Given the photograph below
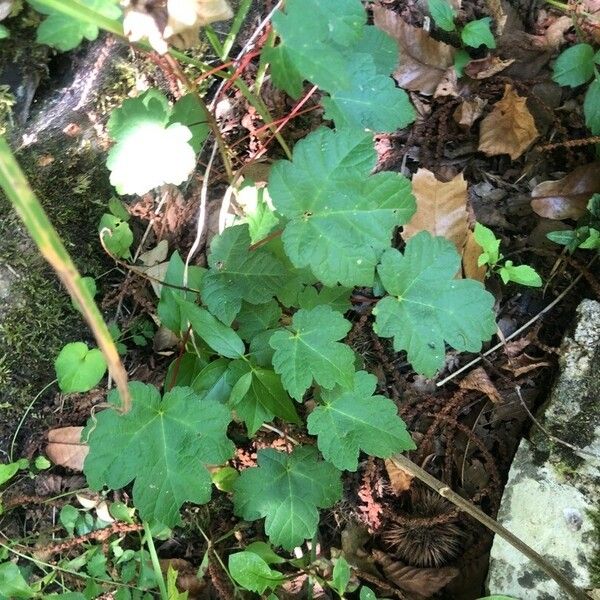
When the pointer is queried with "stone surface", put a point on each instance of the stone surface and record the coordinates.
(551, 488)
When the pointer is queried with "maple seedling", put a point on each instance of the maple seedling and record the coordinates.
(490, 244)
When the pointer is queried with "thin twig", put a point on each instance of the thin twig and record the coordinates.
(514, 334)
(443, 490)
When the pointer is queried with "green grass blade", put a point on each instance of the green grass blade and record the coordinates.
(17, 189)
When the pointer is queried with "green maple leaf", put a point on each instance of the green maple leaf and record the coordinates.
(164, 444)
(341, 217)
(337, 298)
(352, 420)
(309, 350)
(149, 151)
(65, 33)
(331, 23)
(237, 274)
(372, 102)
(381, 47)
(428, 306)
(258, 396)
(287, 489)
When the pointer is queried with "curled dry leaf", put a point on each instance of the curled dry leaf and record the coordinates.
(482, 68)
(509, 128)
(422, 582)
(441, 208)
(471, 253)
(480, 381)
(65, 447)
(524, 364)
(178, 22)
(469, 111)
(567, 198)
(423, 60)
(400, 479)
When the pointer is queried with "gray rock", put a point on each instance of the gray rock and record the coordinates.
(552, 490)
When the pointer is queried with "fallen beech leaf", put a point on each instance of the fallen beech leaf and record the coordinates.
(399, 478)
(423, 60)
(65, 447)
(509, 128)
(423, 582)
(441, 208)
(483, 68)
(469, 111)
(567, 198)
(470, 255)
(480, 381)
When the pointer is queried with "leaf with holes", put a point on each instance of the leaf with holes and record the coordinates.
(341, 217)
(350, 420)
(237, 274)
(163, 444)
(309, 351)
(287, 489)
(427, 306)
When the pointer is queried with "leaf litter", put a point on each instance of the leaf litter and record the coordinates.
(471, 131)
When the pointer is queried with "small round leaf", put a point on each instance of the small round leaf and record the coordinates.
(78, 368)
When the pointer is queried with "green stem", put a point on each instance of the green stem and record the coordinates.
(17, 189)
(14, 438)
(155, 563)
(238, 21)
(41, 563)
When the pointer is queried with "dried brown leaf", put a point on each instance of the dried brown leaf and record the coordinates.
(400, 479)
(470, 255)
(497, 13)
(65, 447)
(567, 198)
(524, 364)
(469, 111)
(424, 583)
(480, 381)
(482, 68)
(509, 128)
(448, 86)
(423, 60)
(441, 208)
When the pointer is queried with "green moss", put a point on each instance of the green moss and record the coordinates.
(38, 317)
(595, 562)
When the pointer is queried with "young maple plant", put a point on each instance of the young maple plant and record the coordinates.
(264, 325)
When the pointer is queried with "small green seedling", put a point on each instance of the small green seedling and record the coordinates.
(586, 235)
(473, 35)
(490, 244)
